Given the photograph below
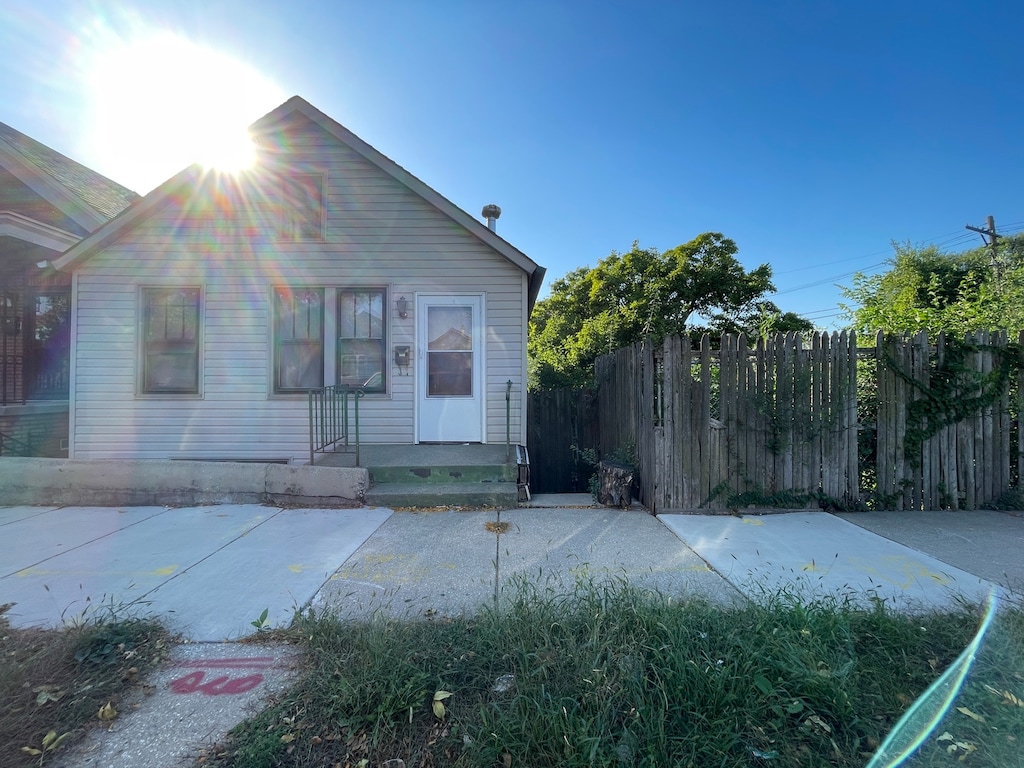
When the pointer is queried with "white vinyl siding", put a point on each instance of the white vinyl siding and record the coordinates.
(376, 233)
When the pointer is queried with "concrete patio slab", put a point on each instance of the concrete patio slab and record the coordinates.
(31, 540)
(13, 514)
(984, 542)
(278, 565)
(208, 571)
(449, 563)
(814, 554)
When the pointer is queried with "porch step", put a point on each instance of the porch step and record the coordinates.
(432, 475)
(440, 494)
(426, 475)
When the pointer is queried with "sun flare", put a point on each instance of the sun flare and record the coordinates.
(161, 102)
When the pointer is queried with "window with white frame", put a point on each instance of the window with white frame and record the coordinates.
(170, 340)
(298, 339)
(361, 343)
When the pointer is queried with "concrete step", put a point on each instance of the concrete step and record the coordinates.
(426, 474)
(456, 494)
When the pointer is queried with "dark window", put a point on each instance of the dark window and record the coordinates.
(50, 345)
(361, 361)
(170, 346)
(301, 207)
(298, 339)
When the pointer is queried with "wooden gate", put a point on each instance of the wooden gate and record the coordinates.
(559, 420)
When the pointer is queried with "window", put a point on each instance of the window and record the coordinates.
(48, 355)
(170, 340)
(361, 361)
(450, 351)
(298, 339)
(301, 207)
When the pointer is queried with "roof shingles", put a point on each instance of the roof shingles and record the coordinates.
(92, 189)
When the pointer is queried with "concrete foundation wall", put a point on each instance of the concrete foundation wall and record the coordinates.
(162, 483)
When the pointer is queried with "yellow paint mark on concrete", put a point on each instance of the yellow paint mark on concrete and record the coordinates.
(914, 570)
(900, 571)
(385, 558)
(166, 570)
(32, 572)
(752, 521)
(297, 568)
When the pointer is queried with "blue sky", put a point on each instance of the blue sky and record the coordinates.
(814, 134)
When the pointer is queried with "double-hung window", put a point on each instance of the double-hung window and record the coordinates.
(360, 338)
(170, 346)
(298, 339)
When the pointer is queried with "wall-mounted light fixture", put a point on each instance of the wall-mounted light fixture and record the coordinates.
(402, 305)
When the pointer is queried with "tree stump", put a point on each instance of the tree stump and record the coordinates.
(615, 484)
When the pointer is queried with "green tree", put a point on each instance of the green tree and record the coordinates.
(643, 293)
(927, 290)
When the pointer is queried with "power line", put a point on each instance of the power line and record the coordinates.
(822, 312)
(834, 261)
(948, 239)
(826, 280)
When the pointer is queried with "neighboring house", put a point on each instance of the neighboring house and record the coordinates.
(48, 202)
(204, 315)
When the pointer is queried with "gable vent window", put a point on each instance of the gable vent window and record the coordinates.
(301, 207)
(170, 340)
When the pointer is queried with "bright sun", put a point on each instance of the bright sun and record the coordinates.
(161, 103)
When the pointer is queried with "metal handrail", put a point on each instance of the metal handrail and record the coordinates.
(330, 422)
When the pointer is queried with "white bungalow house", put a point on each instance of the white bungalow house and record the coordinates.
(204, 314)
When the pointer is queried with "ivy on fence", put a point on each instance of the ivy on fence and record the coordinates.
(956, 390)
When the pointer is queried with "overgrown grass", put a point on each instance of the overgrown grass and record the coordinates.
(610, 675)
(56, 680)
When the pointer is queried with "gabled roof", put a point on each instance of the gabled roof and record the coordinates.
(107, 234)
(87, 197)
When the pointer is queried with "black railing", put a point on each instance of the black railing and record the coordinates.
(51, 384)
(11, 371)
(13, 446)
(334, 420)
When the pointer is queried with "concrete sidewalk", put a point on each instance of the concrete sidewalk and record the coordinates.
(210, 571)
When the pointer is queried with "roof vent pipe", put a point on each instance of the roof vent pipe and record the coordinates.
(491, 212)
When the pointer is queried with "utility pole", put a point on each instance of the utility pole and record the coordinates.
(992, 241)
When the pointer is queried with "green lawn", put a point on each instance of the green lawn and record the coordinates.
(613, 676)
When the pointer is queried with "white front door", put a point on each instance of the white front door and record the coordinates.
(449, 369)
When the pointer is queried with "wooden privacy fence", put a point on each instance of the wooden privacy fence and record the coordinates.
(712, 426)
(771, 423)
(960, 465)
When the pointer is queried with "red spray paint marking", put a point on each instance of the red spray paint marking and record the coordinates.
(194, 682)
